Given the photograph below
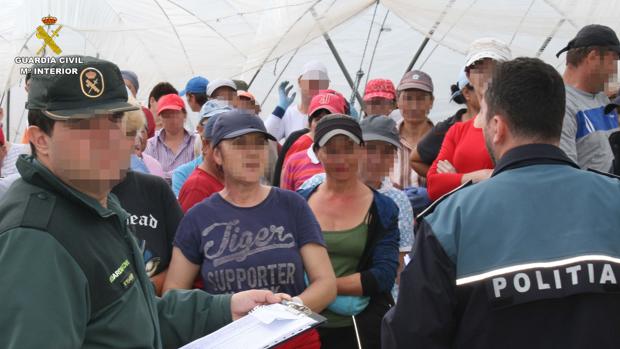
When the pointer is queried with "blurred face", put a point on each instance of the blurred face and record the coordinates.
(604, 68)
(140, 141)
(93, 152)
(316, 117)
(172, 120)
(415, 105)
(378, 106)
(340, 157)
(479, 75)
(379, 160)
(192, 102)
(243, 159)
(246, 103)
(311, 88)
(471, 99)
(225, 93)
(131, 87)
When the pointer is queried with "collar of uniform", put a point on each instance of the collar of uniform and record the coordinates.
(33, 172)
(532, 154)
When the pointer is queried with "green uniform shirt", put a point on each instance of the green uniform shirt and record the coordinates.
(73, 276)
(345, 249)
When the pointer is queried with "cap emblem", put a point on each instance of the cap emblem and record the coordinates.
(91, 82)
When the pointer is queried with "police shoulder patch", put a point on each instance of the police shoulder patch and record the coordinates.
(91, 82)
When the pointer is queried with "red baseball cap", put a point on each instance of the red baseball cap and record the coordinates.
(380, 88)
(170, 102)
(327, 99)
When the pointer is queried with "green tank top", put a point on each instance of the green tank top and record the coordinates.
(345, 249)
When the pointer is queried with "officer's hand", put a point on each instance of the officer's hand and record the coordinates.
(241, 303)
(284, 101)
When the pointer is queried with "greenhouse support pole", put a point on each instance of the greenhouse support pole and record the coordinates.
(343, 68)
(418, 53)
(345, 72)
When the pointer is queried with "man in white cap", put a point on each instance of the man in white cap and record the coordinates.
(289, 117)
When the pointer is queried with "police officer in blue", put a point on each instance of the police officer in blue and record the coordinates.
(529, 258)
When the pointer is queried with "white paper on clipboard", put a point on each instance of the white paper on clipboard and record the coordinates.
(265, 327)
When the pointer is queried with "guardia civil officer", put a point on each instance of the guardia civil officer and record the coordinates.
(527, 259)
(72, 274)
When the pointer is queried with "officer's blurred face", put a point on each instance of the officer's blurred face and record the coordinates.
(91, 152)
(243, 159)
(173, 120)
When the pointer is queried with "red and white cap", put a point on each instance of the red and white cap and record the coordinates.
(330, 100)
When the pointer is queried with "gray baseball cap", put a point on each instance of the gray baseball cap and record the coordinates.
(380, 128)
(416, 79)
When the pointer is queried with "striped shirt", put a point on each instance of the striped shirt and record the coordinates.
(298, 168)
(402, 175)
(157, 148)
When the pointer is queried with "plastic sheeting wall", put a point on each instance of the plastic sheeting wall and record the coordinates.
(173, 40)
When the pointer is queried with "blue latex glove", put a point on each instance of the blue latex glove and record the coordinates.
(284, 101)
(346, 305)
(349, 305)
(354, 114)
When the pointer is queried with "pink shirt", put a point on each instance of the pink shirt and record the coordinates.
(153, 165)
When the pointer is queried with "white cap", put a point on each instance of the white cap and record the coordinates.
(488, 48)
(314, 70)
(215, 84)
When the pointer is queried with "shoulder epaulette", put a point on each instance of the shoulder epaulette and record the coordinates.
(432, 206)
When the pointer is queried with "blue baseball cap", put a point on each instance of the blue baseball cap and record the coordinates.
(197, 84)
(211, 111)
(461, 83)
(237, 123)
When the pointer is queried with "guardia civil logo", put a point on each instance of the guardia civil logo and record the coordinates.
(91, 82)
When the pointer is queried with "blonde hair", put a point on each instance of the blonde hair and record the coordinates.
(134, 120)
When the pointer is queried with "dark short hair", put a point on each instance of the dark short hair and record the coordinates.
(37, 118)
(201, 98)
(577, 55)
(161, 89)
(530, 95)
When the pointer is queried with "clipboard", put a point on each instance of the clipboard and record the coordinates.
(264, 327)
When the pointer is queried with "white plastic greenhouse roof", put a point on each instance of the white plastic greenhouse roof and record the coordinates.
(173, 40)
